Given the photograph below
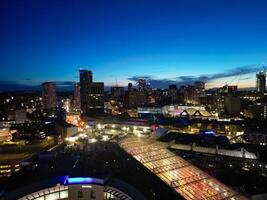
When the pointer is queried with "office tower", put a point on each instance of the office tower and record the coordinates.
(91, 94)
(232, 105)
(257, 110)
(116, 91)
(77, 96)
(49, 96)
(135, 98)
(261, 81)
(85, 80)
(191, 94)
(173, 93)
(142, 85)
(86, 77)
(199, 85)
(172, 87)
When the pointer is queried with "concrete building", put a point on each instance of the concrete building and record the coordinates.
(257, 110)
(232, 105)
(261, 81)
(92, 94)
(77, 96)
(18, 115)
(135, 98)
(191, 95)
(199, 85)
(173, 93)
(116, 91)
(49, 96)
(65, 129)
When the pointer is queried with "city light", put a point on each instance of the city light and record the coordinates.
(162, 99)
(80, 180)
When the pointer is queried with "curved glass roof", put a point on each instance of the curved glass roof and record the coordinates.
(186, 179)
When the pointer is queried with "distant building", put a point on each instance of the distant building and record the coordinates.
(191, 95)
(173, 93)
(172, 87)
(91, 94)
(261, 81)
(117, 91)
(135, 98)
(199, 85)
(142, 85)
(257, 110)
(17, 115)
(49, 95)
(77, 96)
(232, 105)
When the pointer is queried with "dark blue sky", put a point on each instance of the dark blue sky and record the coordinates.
(164, 41)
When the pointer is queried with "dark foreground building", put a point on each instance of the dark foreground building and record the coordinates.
(76, 188)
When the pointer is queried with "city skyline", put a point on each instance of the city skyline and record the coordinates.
(177, 42)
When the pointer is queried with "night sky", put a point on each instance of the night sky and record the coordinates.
(177, 41)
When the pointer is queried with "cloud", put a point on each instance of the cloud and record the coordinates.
(15, 86)
(27, 79)
(65, 83)
(187, 80)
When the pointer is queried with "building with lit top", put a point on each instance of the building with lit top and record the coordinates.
(261, 81)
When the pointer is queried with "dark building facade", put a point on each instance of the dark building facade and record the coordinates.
(91, 94)
(117, 91)
(77, 96)
(49, 95)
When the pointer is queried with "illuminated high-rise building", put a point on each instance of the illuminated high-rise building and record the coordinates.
(261, 81)
(91, 94)
(77, 96)
(49, 96)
